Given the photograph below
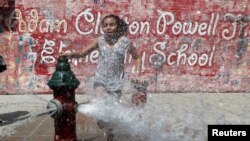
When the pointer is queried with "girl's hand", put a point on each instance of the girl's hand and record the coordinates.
(140, 83)
(140, 78)
(140, 97)
(66, 54)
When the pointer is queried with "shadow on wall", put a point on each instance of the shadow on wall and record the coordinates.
(7, 15)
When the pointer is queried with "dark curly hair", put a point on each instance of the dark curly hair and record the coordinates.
(121, 24)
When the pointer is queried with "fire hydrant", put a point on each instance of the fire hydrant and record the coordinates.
(63, 83)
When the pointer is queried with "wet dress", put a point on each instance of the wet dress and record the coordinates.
(110, 67)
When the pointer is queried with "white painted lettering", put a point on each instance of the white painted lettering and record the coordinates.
(46, 54)
(87, 16)
(162, 22)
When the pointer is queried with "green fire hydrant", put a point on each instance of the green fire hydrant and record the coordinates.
(63, 83)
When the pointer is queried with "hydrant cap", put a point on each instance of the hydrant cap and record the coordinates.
(63, 64)
(63, 78)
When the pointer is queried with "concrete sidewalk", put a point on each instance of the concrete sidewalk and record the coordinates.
(178, 117)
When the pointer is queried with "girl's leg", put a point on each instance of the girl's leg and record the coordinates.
(100, 93)
(99, 90)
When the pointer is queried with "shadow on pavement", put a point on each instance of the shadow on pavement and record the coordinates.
(9, 118)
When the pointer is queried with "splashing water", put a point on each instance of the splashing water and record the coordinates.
(29, 106)
(148, 123)
(31, 134)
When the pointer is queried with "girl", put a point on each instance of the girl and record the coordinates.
(112, 45)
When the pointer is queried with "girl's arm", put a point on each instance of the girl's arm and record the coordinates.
(138, 62)
(85, 51)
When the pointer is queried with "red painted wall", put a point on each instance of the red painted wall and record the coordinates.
(203, 45)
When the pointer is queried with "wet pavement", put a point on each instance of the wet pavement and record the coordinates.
(182, 117)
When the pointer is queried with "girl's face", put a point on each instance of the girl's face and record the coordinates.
(109, 26)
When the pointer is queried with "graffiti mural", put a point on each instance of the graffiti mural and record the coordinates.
(186, 46)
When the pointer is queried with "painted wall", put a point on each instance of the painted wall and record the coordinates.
(186, 45)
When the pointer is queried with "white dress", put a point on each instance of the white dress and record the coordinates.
(110, 67)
